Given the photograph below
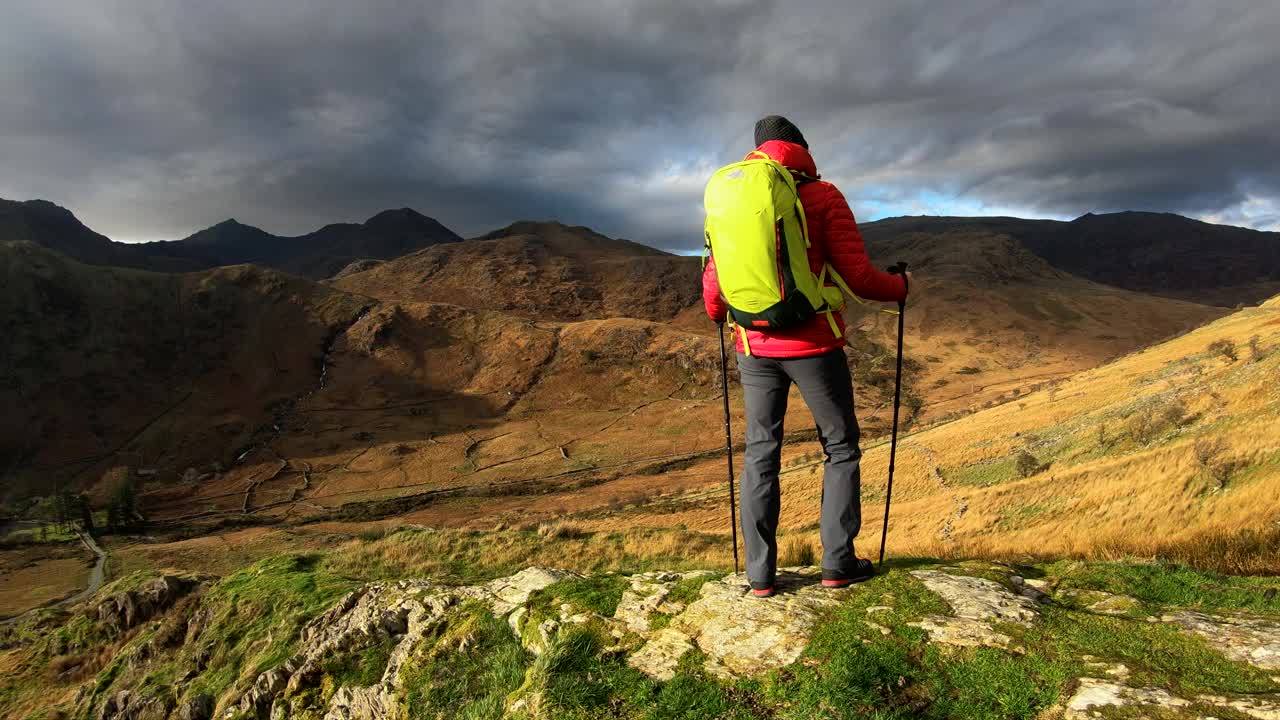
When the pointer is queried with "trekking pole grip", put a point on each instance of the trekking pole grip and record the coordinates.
(900, 268)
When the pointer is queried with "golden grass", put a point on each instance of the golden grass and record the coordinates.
(1107, 491)
(1224, 550)
(1146, 497)
(469, 556)
(797, 550)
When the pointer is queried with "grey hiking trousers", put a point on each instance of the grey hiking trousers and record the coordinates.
(827, 389)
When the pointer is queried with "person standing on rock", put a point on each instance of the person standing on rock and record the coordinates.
(806, 350)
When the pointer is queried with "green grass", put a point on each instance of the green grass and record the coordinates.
(256, 615)
(990, 472)
(364, 668)
(1159, 655)
(1166, 585)
(579, 682)
(599, 594)
(686, 590)
(470, 684)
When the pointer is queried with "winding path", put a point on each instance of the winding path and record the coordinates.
(95, 575)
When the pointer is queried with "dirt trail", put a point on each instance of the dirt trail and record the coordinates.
(95, 575)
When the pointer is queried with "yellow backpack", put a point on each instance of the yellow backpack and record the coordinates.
(757, 233)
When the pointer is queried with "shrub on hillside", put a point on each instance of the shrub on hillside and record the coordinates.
(1142, 426)
(1209, 456)
(1101, 432)
(1027, 464)
(968, 370)
(1225, 348)
(1256, 353)
(1174, 413)
(913, 402)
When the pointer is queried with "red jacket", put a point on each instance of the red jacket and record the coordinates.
(833, 238)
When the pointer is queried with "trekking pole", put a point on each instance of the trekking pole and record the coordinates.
(899, 269)
(728, 444)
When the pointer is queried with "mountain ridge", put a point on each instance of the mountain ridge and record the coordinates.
(316, 255)
(1157, 253)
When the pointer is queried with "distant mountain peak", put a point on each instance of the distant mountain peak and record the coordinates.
(409, 221)
(399, 213)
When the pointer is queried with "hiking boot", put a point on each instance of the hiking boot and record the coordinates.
(763, 590)
(863, 570)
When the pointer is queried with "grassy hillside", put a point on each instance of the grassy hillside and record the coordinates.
(1171, 451)
(991, 320)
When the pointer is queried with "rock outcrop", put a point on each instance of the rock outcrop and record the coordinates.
(976, 604)
(129, 705)
(1251, 640)
(741, 634)
(130, 608)
(404, 612)
(662, 622)
(1093, 695)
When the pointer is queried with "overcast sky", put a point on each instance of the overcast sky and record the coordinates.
(153, 119)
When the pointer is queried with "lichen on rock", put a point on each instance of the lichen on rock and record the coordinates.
(976, 604)
(1250, 640)
(741, 634)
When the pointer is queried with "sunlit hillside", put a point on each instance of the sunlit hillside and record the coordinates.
(1173, 450)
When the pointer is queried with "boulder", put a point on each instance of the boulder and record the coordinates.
(1115, 605)
(405, 611)
(978, 598)
(963, 632)
(371, 703)
(127, 705)
(199, 707)
(1093, 695)
(506, 594)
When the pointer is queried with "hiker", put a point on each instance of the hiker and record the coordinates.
(809, 353)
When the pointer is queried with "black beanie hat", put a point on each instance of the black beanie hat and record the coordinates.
(776, 127)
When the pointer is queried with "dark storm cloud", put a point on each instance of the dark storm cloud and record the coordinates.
(153, 119)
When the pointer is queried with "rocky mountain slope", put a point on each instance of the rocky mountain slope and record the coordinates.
(540, 270)
(1156, 253)
(317, 255)
(287, 637)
